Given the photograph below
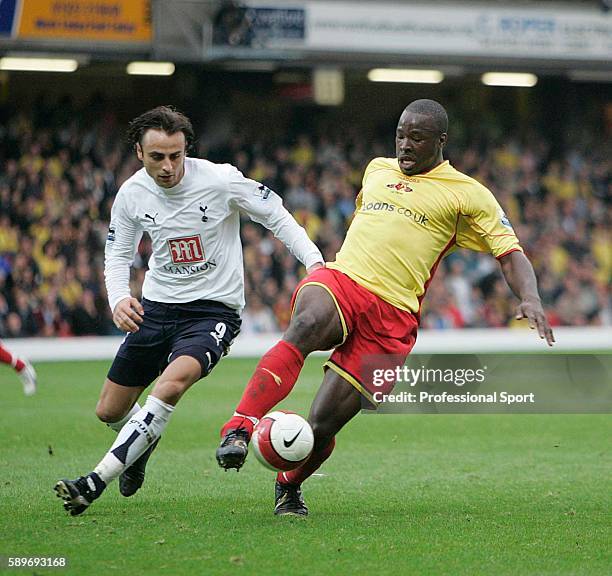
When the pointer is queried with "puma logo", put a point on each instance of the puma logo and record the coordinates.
(276, 377)
(152, 218)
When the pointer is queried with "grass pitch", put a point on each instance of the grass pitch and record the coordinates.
(420, 494)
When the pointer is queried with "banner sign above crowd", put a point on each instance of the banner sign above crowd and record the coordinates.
(469, 31)
(259, 26)
(7, 16)
(77, 20)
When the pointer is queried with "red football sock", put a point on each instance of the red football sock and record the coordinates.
(274, 377)
(297, 476)
(7, 358)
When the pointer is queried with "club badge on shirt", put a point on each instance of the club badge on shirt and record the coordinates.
(399, 187)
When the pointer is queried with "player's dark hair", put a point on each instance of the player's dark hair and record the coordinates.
(433, 109)
(165, 118)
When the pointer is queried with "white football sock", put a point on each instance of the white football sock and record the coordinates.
(251, 418)
(116, 426)
(141, 430)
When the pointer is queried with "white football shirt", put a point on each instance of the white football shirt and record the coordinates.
(195, 233)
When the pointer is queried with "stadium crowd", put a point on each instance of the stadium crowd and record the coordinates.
(60, 172)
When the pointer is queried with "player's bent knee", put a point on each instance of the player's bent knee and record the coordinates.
(170, 391)
(108, 415)
(304, 324)
(309, 332)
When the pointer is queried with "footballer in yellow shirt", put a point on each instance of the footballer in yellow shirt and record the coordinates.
(411, 211)
(404, 224)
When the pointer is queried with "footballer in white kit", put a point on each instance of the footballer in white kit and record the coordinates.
(196, 262)
(193, 292)
(194, 228)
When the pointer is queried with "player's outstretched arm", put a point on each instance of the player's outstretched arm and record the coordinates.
(266, 208)
(519, 275)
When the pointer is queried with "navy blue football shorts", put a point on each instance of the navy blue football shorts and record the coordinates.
(203, 329)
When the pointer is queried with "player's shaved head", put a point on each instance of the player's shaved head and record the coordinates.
(431, 109)
(420, 136)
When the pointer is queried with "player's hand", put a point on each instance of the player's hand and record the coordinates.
(533, 311)
(315, 267)
(128, 314)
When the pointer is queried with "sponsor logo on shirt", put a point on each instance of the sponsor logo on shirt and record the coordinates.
(187, 270)
(186, 250)
(152, 218)
(408, 213)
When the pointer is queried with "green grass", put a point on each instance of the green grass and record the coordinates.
(420, 494)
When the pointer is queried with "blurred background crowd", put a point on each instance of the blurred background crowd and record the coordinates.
(62, 166)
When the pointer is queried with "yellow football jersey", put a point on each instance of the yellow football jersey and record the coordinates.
(404, 225)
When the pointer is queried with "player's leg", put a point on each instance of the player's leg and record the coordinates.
(315, 325)
(198, 336)
(146, 425)
(380, 334)
(336, 402)
(117, 404)
(139, 434)
(24, 369)
(135, 366)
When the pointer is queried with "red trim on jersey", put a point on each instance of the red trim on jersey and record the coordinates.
(508, 252)
(450, 244)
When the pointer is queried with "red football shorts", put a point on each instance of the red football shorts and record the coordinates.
(377, 335)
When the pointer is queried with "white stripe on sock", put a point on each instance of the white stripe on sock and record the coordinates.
(143, 428)
(251, 418)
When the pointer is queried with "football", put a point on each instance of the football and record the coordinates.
(282, 440)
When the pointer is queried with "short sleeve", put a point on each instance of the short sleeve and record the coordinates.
(483, 226)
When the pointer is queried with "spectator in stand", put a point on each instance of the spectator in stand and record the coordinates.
(256, 318)
(86, 319)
